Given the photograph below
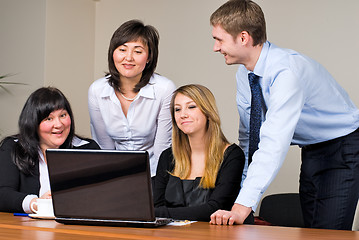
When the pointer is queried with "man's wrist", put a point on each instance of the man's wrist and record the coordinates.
(236, 206)
(240, 209)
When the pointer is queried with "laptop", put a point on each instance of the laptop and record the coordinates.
(102, 187)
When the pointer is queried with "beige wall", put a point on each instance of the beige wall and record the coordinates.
(77, 34)
(22, 31)
(47, 43)
(70, 44)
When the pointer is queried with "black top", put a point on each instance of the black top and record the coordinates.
(15, 185)
(183, 199)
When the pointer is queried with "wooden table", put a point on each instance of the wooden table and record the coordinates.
(15, 227)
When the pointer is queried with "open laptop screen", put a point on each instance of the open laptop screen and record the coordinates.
(100, 184)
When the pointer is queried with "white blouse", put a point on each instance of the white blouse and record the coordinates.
(44, 176)
(147, 126)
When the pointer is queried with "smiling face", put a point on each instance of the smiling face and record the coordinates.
(189, 118)
(232, 49)
(54, 130)
(130, 59)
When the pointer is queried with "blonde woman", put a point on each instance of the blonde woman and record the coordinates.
(202, 171)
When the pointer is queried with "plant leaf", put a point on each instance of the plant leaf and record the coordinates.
(6, 75)
(5, 89)
(8, 83)
(12, 83)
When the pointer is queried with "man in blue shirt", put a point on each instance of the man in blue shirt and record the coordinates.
(302, 105)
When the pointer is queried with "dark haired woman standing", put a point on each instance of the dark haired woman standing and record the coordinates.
(46, 121)
(129, 108)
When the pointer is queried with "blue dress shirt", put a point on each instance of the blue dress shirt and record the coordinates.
(305, 106)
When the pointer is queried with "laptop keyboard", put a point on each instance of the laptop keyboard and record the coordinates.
(163, 221)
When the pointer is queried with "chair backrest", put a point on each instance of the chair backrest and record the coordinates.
(282, 210)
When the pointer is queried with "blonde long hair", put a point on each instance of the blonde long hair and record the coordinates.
(216, 142)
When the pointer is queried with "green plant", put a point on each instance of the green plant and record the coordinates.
(2, 83)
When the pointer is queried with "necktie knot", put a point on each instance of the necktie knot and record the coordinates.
(253, 79)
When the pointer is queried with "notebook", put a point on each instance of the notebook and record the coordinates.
(102, 187)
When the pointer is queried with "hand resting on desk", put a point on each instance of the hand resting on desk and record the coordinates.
(237, 215)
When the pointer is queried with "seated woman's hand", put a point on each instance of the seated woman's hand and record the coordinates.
(47, 195)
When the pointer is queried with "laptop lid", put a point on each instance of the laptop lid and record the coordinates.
(100, 184)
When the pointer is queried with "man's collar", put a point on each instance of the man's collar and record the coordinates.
(260, 66)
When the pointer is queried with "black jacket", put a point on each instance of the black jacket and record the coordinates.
(15, 185)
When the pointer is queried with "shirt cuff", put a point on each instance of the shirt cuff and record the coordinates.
(248, 199)
(26, 203)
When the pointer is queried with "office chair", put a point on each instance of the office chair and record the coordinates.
(282, 210)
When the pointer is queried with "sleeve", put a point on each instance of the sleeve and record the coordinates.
(10, 198)
(26, 203)
(162, 175)
(97, 124)
(164, 122)
(285, 104)
(90, 145)
(228, 184)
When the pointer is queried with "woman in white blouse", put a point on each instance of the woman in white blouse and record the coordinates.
(130, 107)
